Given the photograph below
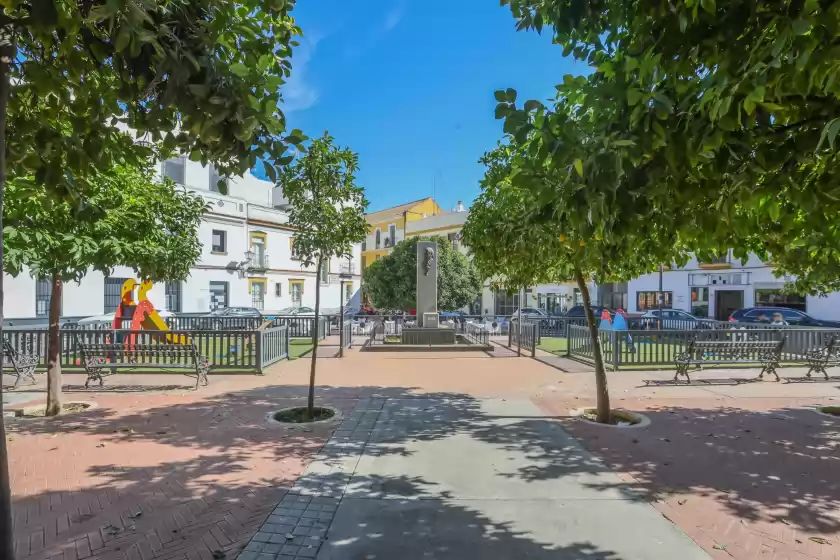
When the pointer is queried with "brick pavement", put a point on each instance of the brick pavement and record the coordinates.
(745, 477)
(205, 470)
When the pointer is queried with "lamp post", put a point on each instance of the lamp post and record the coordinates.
(343, 277)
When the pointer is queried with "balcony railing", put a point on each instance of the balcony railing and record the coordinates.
(260, 262)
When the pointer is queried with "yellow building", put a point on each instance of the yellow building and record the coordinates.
(387, 227)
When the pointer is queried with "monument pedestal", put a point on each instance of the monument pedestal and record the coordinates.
(428, 336)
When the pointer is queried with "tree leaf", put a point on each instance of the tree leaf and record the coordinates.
(579, 167)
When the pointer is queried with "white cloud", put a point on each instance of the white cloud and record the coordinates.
(394, 17)
(299, 93)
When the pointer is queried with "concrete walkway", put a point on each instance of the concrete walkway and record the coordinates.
(451, 478)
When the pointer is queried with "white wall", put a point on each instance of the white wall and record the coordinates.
(760, 277)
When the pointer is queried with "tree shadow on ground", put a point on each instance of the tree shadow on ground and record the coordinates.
(751, 462)
(776, 467)
(178, 480)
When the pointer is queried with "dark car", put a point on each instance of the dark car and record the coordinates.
(671, 319)
(791, 316)
(597, 310)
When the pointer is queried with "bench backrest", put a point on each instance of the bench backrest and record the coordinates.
(138, 351)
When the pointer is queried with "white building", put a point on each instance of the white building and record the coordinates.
(716, 289)
(252, 217)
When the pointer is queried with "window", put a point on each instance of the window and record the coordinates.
(392, 235)
(364, 245)
(219, 241)
(348, 291)
(43, 292)
(646, 301)
(700, 302)
(175, 169)
(113, 293)
(378, 238)
(505, 303)
(325, 273)
(173, 296)
(295, 255)
(218, 295)
(215, 178)
(776, 298)
(296, 290)
(364, 262)
(278, 289)
(453, 240)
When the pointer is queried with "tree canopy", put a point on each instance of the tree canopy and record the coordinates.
(391, 281)
(148, 225)
(200, 77)
(738, 142)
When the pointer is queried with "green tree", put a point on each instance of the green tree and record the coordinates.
(200, 77)
(532, 223)
(391, 282)
(130, 220)
(742, 137)
(327, 211)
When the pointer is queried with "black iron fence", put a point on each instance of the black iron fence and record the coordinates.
(477, 334)
(524, 336)
(241, 350)
(638, 348)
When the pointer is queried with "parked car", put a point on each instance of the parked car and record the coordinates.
(297, 310)
(225, 318)
(235, 312)
(107, 320)
(529, 312)
(597, 310)
(791, 316)
(671, 319)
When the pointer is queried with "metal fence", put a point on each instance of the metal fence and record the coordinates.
(635, 348)
(272, 345)
(524, 336)
(239, 350)
(192, 323)
(347, 334)
(477, 334)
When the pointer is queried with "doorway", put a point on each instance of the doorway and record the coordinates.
(726, 302)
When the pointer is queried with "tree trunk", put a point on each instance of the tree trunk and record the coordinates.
(7, 550)
(311, 403)
(54, 350)
(601, 390)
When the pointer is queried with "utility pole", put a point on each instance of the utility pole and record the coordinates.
(660, 295)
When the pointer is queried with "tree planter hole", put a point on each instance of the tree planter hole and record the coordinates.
(300, 415)
(829, 411)
(66, 408)
(619, 418)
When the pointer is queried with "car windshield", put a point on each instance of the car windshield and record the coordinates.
(219, 312)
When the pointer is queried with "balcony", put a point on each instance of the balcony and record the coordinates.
(717, 263)
(259, 263)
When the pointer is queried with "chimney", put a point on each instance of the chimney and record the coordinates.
(460, 206)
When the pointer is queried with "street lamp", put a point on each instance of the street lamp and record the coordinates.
(342, 278)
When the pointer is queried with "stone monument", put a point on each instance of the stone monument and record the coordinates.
(427, 268)
(428, 330)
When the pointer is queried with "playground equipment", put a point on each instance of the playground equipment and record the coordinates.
(142, 312)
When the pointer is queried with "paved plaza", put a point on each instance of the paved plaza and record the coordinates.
(433, 456)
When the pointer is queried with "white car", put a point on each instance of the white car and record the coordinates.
(108, 319)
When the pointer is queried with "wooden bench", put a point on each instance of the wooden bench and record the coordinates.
(23, 362)
(699, 352)
(820, 358)
(102, 359)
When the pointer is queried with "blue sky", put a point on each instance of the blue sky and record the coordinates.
(409, 86)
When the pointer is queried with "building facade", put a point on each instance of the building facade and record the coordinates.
(387, 227)
(714, 290)
(247, 260)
